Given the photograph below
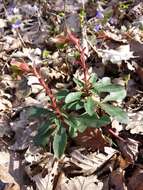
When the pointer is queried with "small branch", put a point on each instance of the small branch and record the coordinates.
(115, 135)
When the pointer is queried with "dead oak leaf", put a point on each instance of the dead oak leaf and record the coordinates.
(123, 53)
(7, 180)
(135, 123)
(82, 183)
(88, 164)
(136, 180)
(116, 180)
(92, 139)
(129, 149)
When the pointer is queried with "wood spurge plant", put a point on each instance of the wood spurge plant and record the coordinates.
(91, 104)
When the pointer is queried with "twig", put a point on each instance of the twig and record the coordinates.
(115, 135)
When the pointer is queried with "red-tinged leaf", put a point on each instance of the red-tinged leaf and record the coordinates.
(59, 39)
(20, 65)
(72, 38)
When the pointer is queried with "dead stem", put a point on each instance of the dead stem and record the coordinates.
(115, 135)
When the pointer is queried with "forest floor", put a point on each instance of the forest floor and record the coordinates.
(34, 33)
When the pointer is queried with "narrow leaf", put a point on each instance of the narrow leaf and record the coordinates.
(103, 82)
(117, 92)
(23, 66)
(93, 78)
(42, 138)
(77, 105)
(109, 88)
(115, 112)
(44, 128)
(59, 143)
(38, 111)
(78, 82)
(73, 96)
(73, 132)
(115, 96)
(89, 106)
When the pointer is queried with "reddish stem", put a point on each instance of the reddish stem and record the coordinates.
(115, 135)
(71, 38)
(83, 63)
(48, 91)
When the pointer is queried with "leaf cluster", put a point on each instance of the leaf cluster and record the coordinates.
(90, 104)
(85, 107)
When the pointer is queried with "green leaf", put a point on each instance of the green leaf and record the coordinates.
(81, 125)
(41, 140)
(103, 82)
(73, 132)
(78, 82)
(38, 111)
(73, 96)
(92, 121)
(57, 122)
(44, 128)
(72, 123)
(43, 136)
(115, 96)
(102, 121)
(62, 94)
(117, 92)
(109, 88)
(77, 105)
(77, 123)
(115, 112)
(60, 141)
(81, 122)
(89, 106)
(93, 78)
(85, 120)
(45, 54)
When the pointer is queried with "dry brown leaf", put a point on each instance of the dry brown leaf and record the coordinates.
(71, 5)
(117, 180)
(11, 163)
(88, 164)
(129, 149)
(122, 53)
(11, 187)
(82, 183)
(139, 71)
(4, 126)
(115, 37)
(5, 103)
(12, 44)
(5, 159)
(5, 177)
(41, 168)
(44, 179)
(136, 47)
(92, 139)
(136, 180)
(135, 124)
(22, 132)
